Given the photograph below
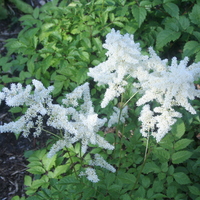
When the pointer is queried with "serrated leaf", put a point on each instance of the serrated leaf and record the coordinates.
(162, 154)
(195, 14)
(172, 9)
(190, 48)
(36, 170)
(151, 167)
(181, 144)
(181, 178)
(194, 190)
(166, 36)
(48, 162)
(126, 178)
(60, 170)
(139, 14)
(184, 22)
(180, 156)
(146, 181)
(120, 24)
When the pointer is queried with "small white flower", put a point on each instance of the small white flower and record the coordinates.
(91, 175)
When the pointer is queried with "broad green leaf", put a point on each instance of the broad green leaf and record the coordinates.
(197, 57)
(184, 22)
(166, 36)
(88, 192)
(181, 144)
(162, 154)
(151, 167)
(27, 180)
(36, 12)
(195, 14)
(178, 129)
(171, 191)
(21, 5)
(15, 110)
(39, 182)
(181, 178)
(180, 156)
(194, 190)
(190, 48)
(139, 14)
(60, 170)
(48, 162)
(197, 35)
(172, 9)
(36, 170)
(119, 24)
(146, 181)
(126, 178)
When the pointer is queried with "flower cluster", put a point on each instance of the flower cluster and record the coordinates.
(80, 124)
(90, 173)
(157, 81)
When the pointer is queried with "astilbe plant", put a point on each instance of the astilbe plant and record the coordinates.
(155, 80)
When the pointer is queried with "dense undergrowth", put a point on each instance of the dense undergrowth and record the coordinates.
(58, 44)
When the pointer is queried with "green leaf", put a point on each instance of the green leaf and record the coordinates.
(48, 162)
(195, 14)
(172, 9)
(171, 191)
(151, 167)
(24, 7)
(194, 190)
(146, 181)
(178, 129)
(181, 178)
(190, 48)
(15, 110)
(27, 180)
(119, 24)
(36, 12)
(181, 144)
(180, 156)
(97, 43)
(162, 154)
(60, 170)
(36, 170)
(184, 22)
(166, 36)
(126, 178)
(139, 14)
(81, 75)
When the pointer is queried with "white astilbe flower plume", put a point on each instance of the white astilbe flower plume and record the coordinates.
(123, 57)
(91, 174)
(83, 124)
(36, 103)
(171, 86)
(99, 161)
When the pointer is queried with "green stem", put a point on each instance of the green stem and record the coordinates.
(51, 133)
(142, 166)
(129, 99)
(73, 166)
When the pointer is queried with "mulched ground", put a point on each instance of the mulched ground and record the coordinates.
(12, 160)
